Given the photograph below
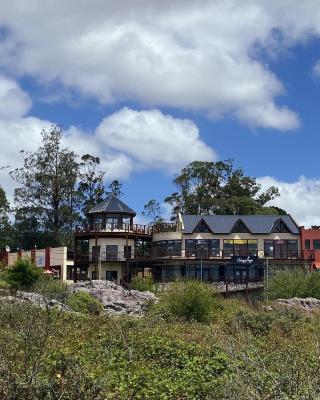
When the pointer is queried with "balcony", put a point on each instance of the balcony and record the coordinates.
(166, 227)
(121, 228)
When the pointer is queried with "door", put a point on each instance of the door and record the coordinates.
(112, 275)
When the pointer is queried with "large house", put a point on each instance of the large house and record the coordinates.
(208, 247)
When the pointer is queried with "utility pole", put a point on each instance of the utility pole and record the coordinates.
(201, 248)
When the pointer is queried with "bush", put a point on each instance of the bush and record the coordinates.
(190, 300)
(143, 284)
(84, 303)
(51, 288)
(23, 274)
(294, 283)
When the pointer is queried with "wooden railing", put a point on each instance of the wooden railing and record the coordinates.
(127, 228)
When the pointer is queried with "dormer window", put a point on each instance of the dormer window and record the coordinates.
(202, 227)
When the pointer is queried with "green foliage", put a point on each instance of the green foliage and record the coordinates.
(51, 288)
(23, 274)
(218, 188)
(152, 210)
(295, 282)
(143, 284)
(190, 300)
(84, 303)
(115, 188)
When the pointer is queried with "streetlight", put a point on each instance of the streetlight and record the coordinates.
(201, 248)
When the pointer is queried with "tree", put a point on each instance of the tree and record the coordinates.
(152, 210)
(23, 274)
(5, 227)
(48, 186)
(91, 188)
(217, 188)
(115, 188)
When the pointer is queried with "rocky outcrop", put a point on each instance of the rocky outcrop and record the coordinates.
(35, 299)
(115, 299)
(308, 304)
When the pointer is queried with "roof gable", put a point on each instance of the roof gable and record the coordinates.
(202, 227)
(240, 227)
(280, 227)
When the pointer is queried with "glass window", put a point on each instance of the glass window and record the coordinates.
(227, 248)
(111, 252)
(307, 244)
(292, 248)
(253, 247)
(215, 248)
(280, 248)
(316, 244)
(202, 248)
(190, 248)
(268, 248)
(95, 253)
(240, 247)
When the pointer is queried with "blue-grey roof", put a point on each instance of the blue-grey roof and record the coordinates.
(258, 224)
(112, 205)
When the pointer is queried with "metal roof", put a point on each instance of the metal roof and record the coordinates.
(224, 223)
(112, 205)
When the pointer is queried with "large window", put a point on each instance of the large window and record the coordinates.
(240, 247)
(281, 248)
(204, 248)
(307, 244)
(167, 248)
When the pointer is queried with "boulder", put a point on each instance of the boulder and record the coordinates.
(115, 299)
(308, 304)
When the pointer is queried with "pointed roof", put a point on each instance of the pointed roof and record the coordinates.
(112, 205)
(256, 224)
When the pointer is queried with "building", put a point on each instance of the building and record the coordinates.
(310, 245)
(57, 260)
(208, 247)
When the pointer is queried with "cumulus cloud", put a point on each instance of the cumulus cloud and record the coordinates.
(125, 141)
(300, 198)
(203, 56)
(14, 101)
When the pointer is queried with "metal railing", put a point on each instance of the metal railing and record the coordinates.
(127, 228)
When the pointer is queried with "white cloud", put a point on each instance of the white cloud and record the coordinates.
(153, 140)
(202, 56)
(14, 101)
(125, 141)
(316, 69)
(300, 198)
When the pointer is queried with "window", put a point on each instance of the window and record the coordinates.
(215, 248)
(127, 252)
(280, 248)
(202, 248)
(111, 275)
(95, 253)
(167, 248)
(240, 247)
(307, 244)
(316, 244)
(292, 248)
(268, 248)
(190, 248)
(111, 252)
(227, 248)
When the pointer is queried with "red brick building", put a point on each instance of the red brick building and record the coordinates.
(310, 245)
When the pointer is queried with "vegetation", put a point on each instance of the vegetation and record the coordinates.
(296, 282)
(23, 274)
(144, 284)
(84, 303)
(190, 300)
(219, 188)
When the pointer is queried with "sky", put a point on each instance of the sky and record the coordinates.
(150, 86)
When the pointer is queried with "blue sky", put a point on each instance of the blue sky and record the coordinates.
(149, 87)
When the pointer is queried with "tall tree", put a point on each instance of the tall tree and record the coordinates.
(218, 188)
(115, 188)
(5, 227)
(48, 186)
(152, 211)
(90, 187)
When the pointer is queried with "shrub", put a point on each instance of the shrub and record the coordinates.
(51, 288)
(294, 283)
(143, 284)
(190, 300)
(84, 303)
(23, 274)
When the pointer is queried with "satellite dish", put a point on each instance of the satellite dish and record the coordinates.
(7, 249)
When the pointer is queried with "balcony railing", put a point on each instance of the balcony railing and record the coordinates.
(166, 227)
(126, 228)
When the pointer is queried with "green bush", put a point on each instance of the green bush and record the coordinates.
(143, 284)
(84, 303)
(190, 300)
(286, 284)
(23, 274)
(51, 288)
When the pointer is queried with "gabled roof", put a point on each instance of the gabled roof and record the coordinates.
(112, 205)
(257, 224)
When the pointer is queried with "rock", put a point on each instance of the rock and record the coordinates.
(35, 299)
(308, 304)
(115, 299)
